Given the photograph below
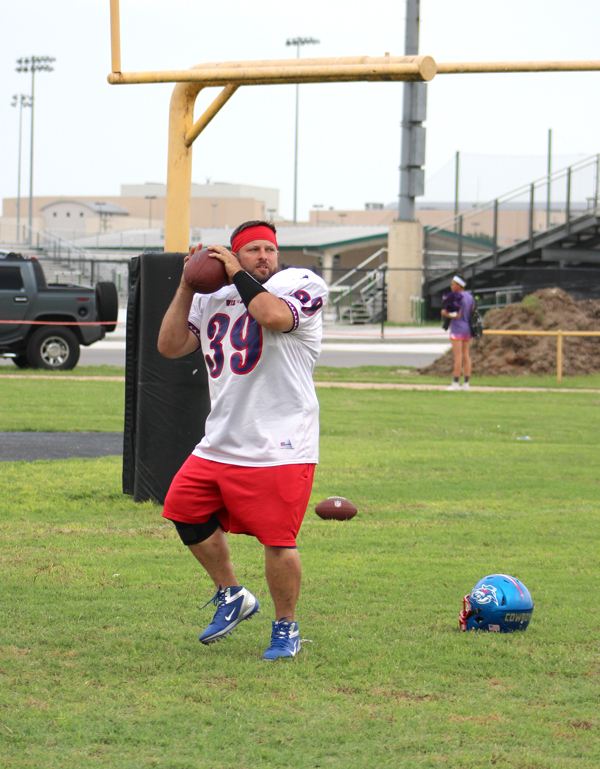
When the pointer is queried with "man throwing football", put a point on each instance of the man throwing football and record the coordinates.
(252, 472)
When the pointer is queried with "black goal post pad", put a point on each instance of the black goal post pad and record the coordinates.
(166, 401)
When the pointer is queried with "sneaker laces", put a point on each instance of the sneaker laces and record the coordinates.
(280, 634)
(218, 600)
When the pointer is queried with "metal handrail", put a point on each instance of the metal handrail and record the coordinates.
(47, 236)
(368, 303)
(499, 289)
(358, 267)
(493, 250)
(347, 290)
(450, 223)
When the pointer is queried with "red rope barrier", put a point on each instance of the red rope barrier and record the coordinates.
(63, 323)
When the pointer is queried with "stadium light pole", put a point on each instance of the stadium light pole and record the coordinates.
(456, 189)
(33, 64)
(414, 112)
(548, 202)
(20, 101)
(298, 41)
(150, 198)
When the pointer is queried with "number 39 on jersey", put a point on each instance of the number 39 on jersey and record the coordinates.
(245, 344)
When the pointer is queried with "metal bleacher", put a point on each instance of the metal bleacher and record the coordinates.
(563, 250)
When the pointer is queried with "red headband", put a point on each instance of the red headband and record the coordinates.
(259, 232)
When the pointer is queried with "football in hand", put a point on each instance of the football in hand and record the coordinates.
(336, 508)
(205, 274)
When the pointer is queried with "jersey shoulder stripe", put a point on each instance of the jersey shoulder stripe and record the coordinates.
(294, 311)
(195, 331)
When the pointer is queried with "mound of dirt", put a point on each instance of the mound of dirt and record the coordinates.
(549, 309)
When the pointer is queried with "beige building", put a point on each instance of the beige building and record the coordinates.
(225, 205)
(374, 214)
(71, 219)
(139, 206)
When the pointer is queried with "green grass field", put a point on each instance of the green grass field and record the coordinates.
(396, 375)
(377, 374)
(100, 663)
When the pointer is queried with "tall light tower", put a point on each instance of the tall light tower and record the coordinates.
(33, 64)
(298, 41)
(20, 101)
(150, 198)
(414, 109)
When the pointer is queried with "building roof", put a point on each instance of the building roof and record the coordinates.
(324, 238)
(108, 209)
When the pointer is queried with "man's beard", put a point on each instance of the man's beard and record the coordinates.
(259, 276)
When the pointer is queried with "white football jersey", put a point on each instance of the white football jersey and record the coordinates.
(264, 408)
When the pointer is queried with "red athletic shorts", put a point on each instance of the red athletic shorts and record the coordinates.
(267, 502)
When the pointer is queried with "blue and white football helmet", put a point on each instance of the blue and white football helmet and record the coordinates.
(498, 603)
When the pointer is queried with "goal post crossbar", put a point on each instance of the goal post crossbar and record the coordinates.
(229, 76)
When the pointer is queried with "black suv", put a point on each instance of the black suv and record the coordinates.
(63, 315)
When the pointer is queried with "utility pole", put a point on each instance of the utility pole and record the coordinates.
(33, 65)
(456, 189)
(298, 41)
(414, 111)
(22, 101)
(548, 203)
(150, 198)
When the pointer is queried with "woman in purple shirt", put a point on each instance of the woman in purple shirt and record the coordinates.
(460, 331)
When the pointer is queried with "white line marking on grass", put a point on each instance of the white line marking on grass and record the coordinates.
(482, 389)
(348, 385)
(416, 348)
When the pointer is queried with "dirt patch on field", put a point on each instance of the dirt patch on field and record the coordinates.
(549, 309)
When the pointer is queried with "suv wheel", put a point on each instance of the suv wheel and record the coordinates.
(54, 348)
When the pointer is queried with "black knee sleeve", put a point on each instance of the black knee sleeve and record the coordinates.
(194, 533)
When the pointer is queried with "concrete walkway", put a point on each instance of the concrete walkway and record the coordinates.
(32, 446)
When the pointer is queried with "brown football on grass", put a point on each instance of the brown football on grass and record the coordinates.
(336, 508)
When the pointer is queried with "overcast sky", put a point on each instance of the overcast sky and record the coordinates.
(90, 136)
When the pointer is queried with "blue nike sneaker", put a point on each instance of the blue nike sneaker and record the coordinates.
(285, 640)
(234, 604)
